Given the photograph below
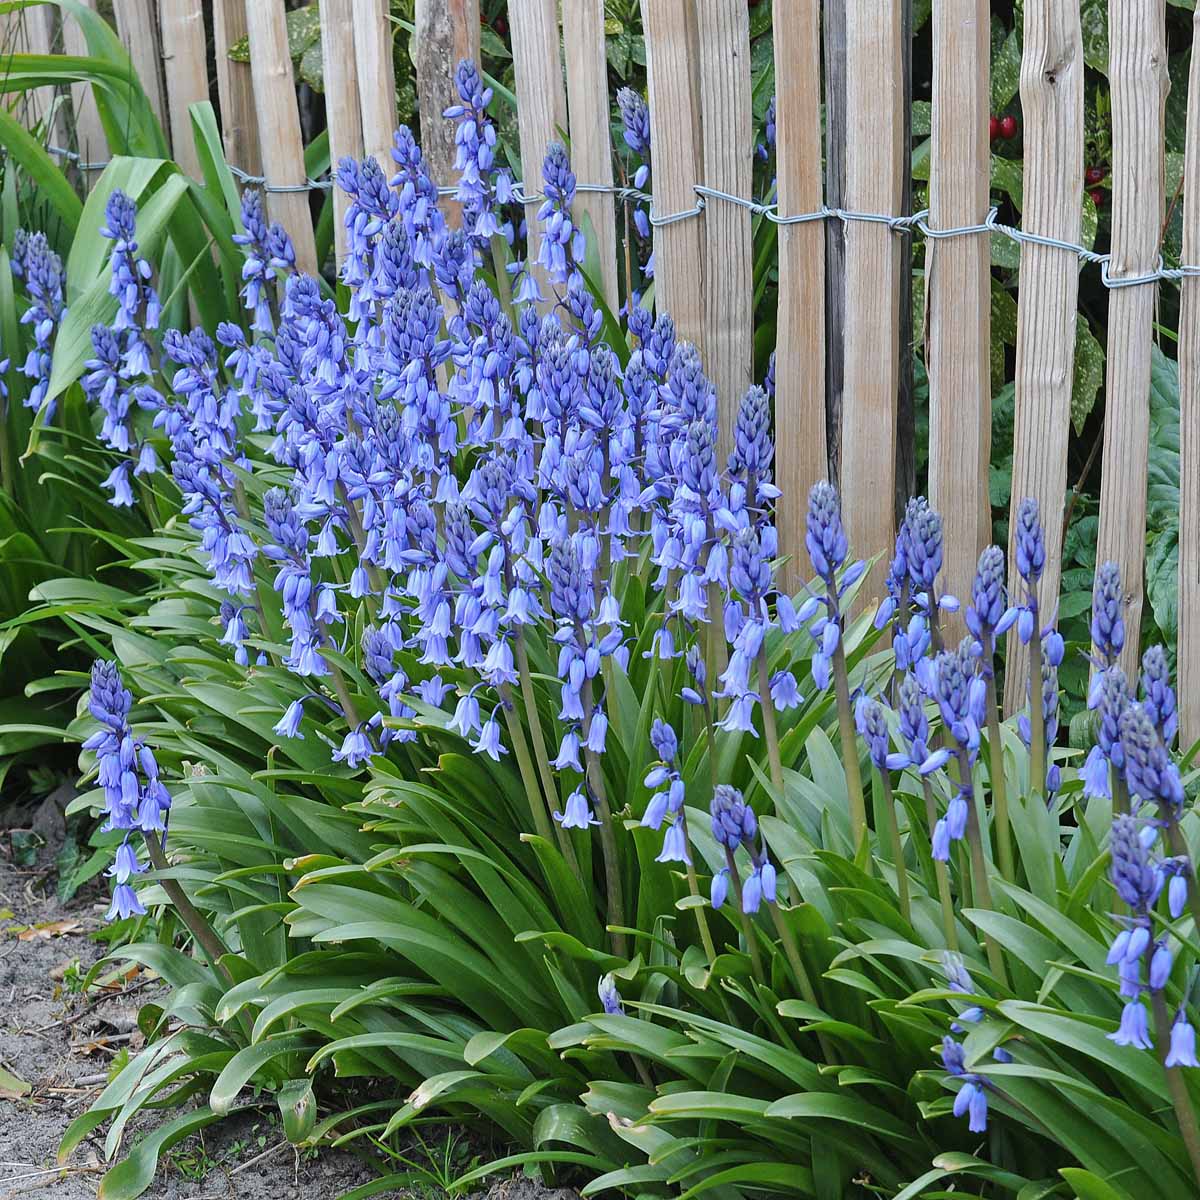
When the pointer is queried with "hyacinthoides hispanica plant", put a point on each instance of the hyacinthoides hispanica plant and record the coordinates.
(454, 519)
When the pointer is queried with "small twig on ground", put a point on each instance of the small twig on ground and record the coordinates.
(250, 1162)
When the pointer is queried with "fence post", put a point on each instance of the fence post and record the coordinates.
(670, 30)
(342, 110)
(874, 168)
(591, 133)
(445, 32)
(282, 146)
(1052, 108)
(800, 444)
(374, 35)
(185, 67)
(958, 287)
(235, 89)
(727, 126)
(541, 105)
(137, 25)
(1189, 419)
(834, 32)
(1138, 77)
(90, 140)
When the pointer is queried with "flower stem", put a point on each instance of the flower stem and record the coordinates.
(1179, 848)
(942, 873)
(608, 841)
(979, 868)
(747, 925)
(537, 806)
(1037, 719)
(889, 815)
(1004, 849)
(206, 936)
(854, 792)
(1180, 1100)
(541, 758)
(710, 949)
(769, 729)
(803, 982)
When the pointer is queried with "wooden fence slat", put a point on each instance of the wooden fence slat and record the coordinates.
(727, 126)
(374, 34)
(800, 455)
(874, 167)
(591, 133)
(1189, 419)
(1138, 79)
(90, 140)
(1052, 70)
(235, 89)
(541, 105)
(958, 287)
(185, 67)
(279, 118)
(137, 25)
(675, 148)
(342, 110)
(445, 32)
(833, 18)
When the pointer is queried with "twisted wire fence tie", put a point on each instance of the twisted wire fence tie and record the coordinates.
(918, 221)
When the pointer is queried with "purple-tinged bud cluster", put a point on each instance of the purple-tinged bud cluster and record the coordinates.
(1151, 775)
(482, 189)
(41, 270)
(1108, 697)
(635, 130)
(872, 728)
(1030, 542)
(1108, 622)
(987, 616)
(563, 245)
(1158, 696)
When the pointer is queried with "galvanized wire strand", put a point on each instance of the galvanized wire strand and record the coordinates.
(911, 224)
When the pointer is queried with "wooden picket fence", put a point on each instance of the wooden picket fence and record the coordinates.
(841, 277)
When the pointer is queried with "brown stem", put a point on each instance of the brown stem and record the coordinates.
(769, 728)
(206, 936)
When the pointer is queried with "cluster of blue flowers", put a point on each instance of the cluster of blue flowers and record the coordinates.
(445, 475)
(134, 796)
(41, 270)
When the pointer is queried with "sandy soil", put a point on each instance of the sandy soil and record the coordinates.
(61, 1043)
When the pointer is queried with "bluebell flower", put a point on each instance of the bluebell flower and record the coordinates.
(872, 728)
(577, 812)
(563, 244)
(1182, 1052)
(41, 270)
(971, 1099)
(610, 998)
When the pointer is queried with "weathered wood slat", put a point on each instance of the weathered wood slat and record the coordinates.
(342, 109)
(185, 69)
(137, 25)
(800, 455)
(541, 105)
(374, 34)
(591, 136)
(1189, 420)
(1052, 70)
(675, 148)
(1138, 77)
(90, 139)
(446, 32)
(235, 89)
(282, 146)
(727, 127)
(874, 180)
(958, 282)
(833, 17)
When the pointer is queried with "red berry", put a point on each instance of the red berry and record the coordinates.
(1008, 127)
(993, 128)
(1094, 175)
(500, 26)
(1097, 196)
